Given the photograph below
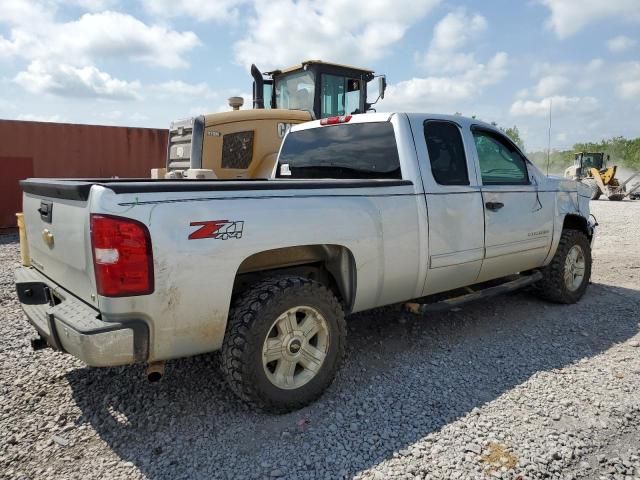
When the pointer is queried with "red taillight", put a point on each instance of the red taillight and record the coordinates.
(335, 120)
(122, 256)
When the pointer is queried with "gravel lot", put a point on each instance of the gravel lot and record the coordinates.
(509, 388)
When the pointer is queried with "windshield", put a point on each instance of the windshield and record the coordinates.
(590, 160)
(295, 91)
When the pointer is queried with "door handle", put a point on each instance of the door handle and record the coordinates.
(494, 206)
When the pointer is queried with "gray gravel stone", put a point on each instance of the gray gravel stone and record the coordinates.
(470, 394)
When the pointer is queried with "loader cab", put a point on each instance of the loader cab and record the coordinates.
(325, 89)
(591, 160)
(585, 161)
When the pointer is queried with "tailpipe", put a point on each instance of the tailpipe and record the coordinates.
(258, 87)
(155, 371)
(38, 343)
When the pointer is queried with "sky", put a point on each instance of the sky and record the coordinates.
(146, 62)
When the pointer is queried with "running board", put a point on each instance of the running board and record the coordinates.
(443, 305)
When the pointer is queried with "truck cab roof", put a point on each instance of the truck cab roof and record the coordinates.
(386, 116)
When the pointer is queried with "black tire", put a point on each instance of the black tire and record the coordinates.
(593, 185)
(553, 287)
(250, 322)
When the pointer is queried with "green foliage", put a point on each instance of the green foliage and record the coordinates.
(623, 152)
(514, 134)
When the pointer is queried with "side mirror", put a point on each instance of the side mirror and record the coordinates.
(382, 85)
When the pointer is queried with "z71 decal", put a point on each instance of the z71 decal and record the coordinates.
(217, 229)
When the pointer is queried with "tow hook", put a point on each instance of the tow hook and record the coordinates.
(38, 343)
(155, 371)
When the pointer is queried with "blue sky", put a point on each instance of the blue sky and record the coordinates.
(147, 62)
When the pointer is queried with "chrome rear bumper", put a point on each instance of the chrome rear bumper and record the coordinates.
(70, 325)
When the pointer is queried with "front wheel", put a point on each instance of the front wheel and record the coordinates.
(284, 343)
(566, 278)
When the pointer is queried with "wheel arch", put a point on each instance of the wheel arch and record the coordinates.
(570, 221)
(577, 222)
(332, 265)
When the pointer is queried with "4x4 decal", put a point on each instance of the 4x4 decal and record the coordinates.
(217, 229)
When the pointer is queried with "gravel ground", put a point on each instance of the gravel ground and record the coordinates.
(511, 388)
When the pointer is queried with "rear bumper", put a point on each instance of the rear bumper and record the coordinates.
(70, 325)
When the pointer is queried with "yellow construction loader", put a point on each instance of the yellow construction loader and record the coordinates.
(591, 169)
(244, 143)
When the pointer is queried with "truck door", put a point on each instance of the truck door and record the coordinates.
(454, 205)
(518, 217)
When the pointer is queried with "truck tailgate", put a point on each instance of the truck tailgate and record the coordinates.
(59, 243)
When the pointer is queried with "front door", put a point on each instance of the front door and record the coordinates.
(518, 217)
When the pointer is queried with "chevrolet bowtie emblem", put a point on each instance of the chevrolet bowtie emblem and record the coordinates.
(47, 236)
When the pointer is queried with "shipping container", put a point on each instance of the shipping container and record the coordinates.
(62, 150)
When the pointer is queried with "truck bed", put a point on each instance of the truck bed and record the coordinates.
(79, 188)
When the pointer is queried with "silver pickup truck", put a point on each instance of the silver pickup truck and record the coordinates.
(361, 211)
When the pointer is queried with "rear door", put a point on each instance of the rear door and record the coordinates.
(454, 205)
(518, 216)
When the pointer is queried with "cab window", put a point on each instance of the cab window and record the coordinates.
(295, 91)
(501, 163)
(446, 153)
(340, 95)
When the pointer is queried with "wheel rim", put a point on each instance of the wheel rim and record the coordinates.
(574, 268)
(295, 348)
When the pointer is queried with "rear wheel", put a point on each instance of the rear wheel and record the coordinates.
(284, 343)
(593, 186)
(566, 278)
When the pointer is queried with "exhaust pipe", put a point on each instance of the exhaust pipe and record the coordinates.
(38, 343)
(258, 87)
(155, 371)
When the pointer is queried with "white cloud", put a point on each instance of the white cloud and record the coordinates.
(284, 32)
(32, 117)
(628, 80)
(62, 56)
(25, 12)
(104, 35)
(451, 34)
(92, 5)
(70, 81)
(551, 85)
(620, 43)
(466, 78)
(559, 104)
(570, 16)
(630, 89)
(419, 94)
(180, 89)
(199, 10)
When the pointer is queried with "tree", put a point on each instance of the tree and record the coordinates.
(514, 134)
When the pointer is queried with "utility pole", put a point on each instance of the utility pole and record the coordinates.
(549, 137)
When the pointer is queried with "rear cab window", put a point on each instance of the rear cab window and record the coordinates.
(345, 151)
(446, 152)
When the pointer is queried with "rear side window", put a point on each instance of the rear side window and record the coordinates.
(500, 161)
(446, 153)
(358, 150)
